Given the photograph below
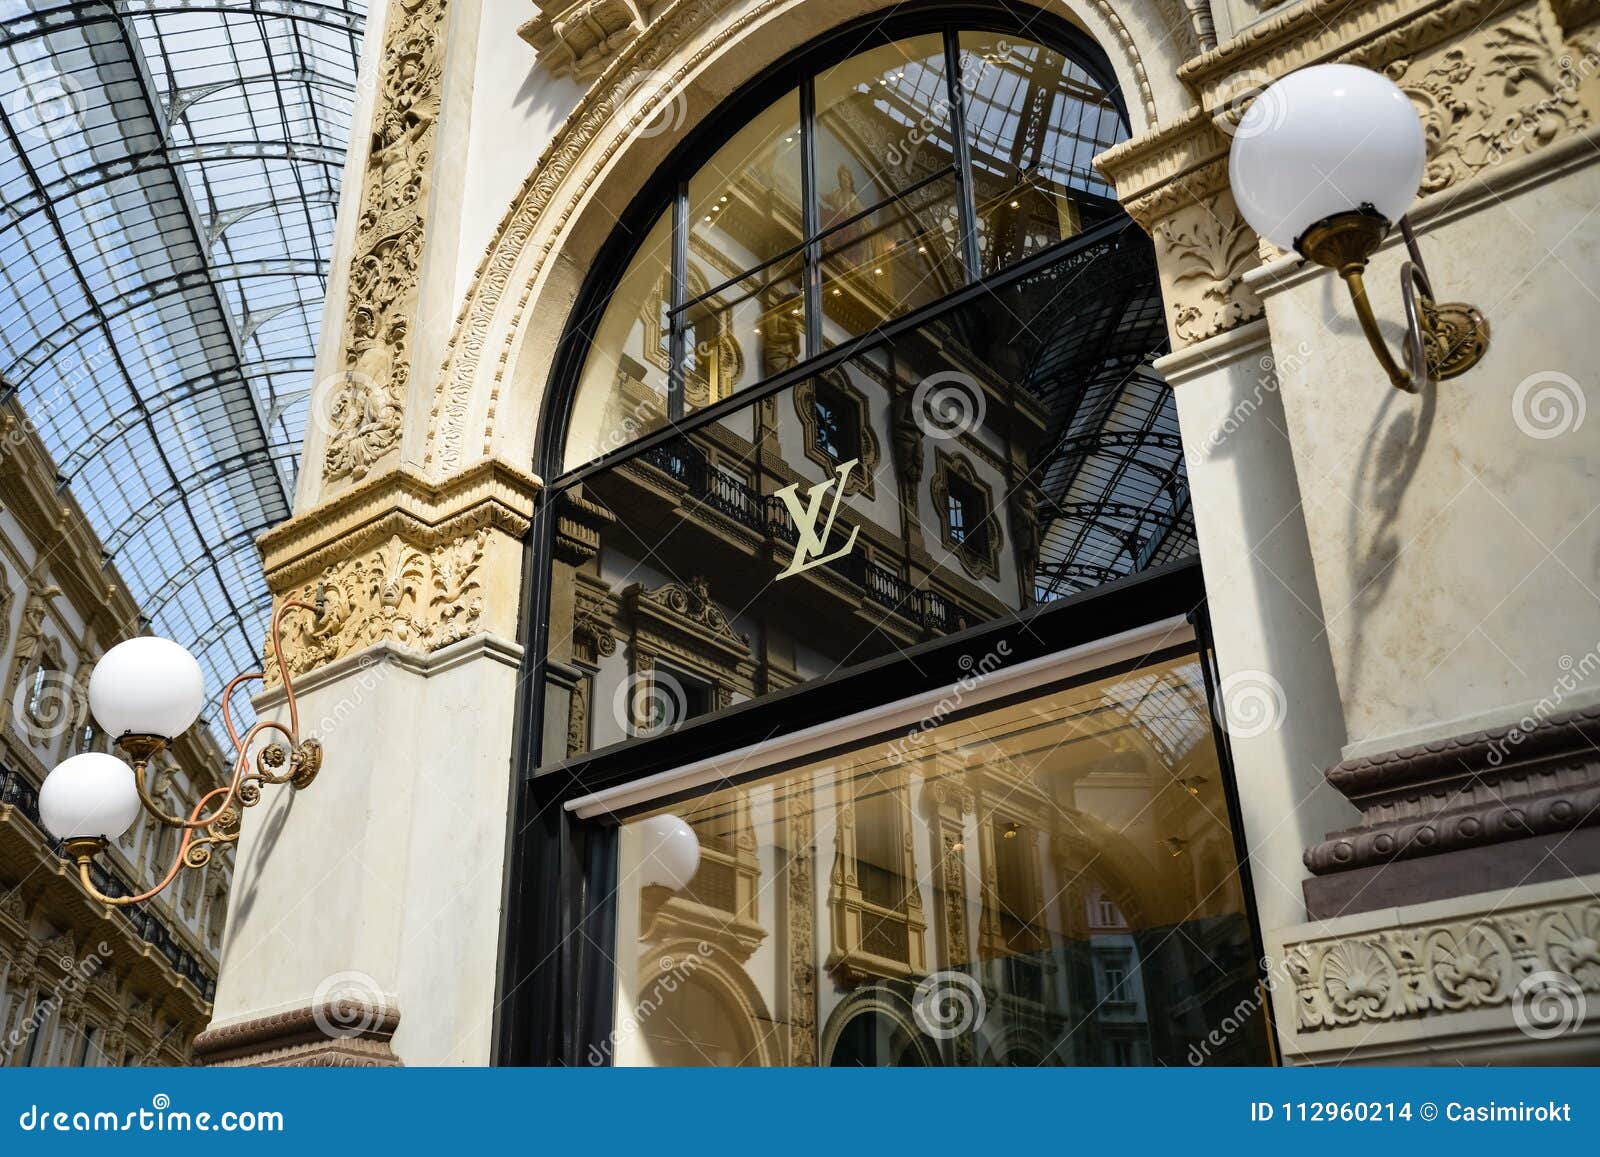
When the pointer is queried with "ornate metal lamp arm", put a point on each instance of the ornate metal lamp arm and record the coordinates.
(1442, 341)
(221, 825)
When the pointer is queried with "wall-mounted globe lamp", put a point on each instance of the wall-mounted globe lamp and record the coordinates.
(1325, 162)
(669, 852)
(146, 692)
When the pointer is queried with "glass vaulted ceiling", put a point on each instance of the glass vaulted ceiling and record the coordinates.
(168, 174)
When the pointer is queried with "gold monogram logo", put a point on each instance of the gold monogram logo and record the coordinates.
(809, 548)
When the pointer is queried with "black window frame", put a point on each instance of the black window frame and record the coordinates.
(554, 1004)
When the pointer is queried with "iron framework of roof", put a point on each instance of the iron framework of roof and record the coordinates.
(169, 171)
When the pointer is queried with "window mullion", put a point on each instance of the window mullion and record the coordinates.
(677, 344)
(967, 201)
(810, 217)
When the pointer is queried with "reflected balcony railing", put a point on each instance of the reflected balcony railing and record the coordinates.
(17, 792)
(767, 515)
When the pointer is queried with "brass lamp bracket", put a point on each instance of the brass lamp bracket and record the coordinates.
(215, 821)
(1443, 339)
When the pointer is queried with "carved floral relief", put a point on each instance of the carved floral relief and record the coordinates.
(1205, 250)
(421, 599)
(366, 410)
(1510, 89)
(1475, 962)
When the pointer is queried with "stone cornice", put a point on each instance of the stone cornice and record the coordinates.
(1191, 152)
(341, 1032)
(421, 510)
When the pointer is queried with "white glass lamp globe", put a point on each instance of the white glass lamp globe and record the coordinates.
(669, 852)
(1325, 140)
(146, 686)
(89, 795)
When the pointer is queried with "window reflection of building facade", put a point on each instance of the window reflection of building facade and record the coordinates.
(976, 448)
(1027, 847)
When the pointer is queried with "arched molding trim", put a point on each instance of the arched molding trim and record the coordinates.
(878, 1000)
(690, 958)
(680, 70)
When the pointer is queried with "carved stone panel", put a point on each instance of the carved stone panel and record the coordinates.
(1431, 969)
(366, 411)
(421, 598)
(1204, 251)
(1505, 90)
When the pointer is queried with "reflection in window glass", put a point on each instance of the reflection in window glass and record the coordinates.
(967, 514)
(1035, 122)
(1012, 451)
(891, 223)
(836, 432)
(742, 333)
(744, 204)
(1061, 867)
(896, 258)
(622, 394)
(883, 124)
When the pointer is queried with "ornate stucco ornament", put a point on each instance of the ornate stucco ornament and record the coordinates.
(579, 38)
(366, 409)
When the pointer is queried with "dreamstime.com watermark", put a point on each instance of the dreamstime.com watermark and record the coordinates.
(76, 977)
(1543, 1005)
(975, 671)
(1239, 1015)
(649, 703)
(371, 673)
(159, 1117)
(1547, 1004)
(948, 405)
(349, 1004)
(674, 971)
(49, 705)
(1576, 674)
(1271, 369)
(1549, 404)
(1251, 703)
(949, 1004)
(939, 108)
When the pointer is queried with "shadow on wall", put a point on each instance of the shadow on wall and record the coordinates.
(1390, 455)
(245, 892)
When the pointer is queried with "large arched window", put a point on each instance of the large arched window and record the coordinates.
(899, 278)
(861, 387)
(879, 184)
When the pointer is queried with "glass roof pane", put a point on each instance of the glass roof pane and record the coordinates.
(158, 168)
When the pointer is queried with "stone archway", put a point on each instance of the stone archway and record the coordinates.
(678, 71)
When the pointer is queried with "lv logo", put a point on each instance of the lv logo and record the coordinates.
(808, 550)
